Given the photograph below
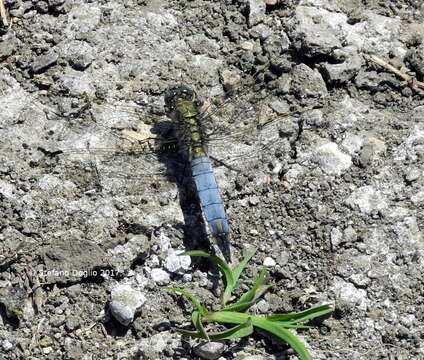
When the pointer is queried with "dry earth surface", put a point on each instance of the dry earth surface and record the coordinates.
(332, 196)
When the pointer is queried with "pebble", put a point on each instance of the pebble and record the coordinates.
(352, 143)
(308, 82)
(331, 160)
(160, 277)
(8, 45)
(210, 350)
(6, 345)
(269, 262)
(256, 11)
(125, 302)
(366, 199)
(348, 293)
(175, 263)
(43, 62)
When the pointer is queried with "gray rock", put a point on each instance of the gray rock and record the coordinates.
(8, 45)
(200, 44)
(292, 174)
(260, 31)
(366, 199)
(317, 31)
(370, 151)
(50, 182)
(43, 62)
(331, 160)
(6, 345)
(210, 350)
(336, 237)
(72, 322)
(23, 7)
(339, 237)
(415, 58)
(262, 306)
(313, 118)
(283, 83)
(368, 80)
(160, 277)
(57, 320)
(14, 300)
(275, 45)
(155, 344)
(269, 262)
(351, 143)
(82, 19)
(122, 256)
(413, 174)
(78, 53)
(348, 293)
(418, 198)
(359, 280)
(175, 263)
(344, 71)
(125, 303)
(280, 107)
(256, 12)
(308, 82)
(7, 190)
(159, 345)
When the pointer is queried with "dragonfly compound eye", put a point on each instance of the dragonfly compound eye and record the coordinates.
(174, 94)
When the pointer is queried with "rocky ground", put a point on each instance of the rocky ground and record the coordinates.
(331, 196)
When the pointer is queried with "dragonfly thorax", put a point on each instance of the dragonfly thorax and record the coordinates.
(181, 104)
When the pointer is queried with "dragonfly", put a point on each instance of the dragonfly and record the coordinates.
(181, 104)
(201, 135)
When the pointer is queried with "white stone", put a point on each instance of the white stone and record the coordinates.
(331, 160)
(160, 277)
(175, 263)
(269, 262)
(125, 302)
(347, 292)
(367, 199)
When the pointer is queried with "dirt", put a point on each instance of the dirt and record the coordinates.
(333, 193)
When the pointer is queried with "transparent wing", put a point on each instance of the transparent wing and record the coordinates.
(109, 147)
(253, 127)
(118, 142)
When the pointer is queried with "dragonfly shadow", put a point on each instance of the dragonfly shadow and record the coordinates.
(178, 171)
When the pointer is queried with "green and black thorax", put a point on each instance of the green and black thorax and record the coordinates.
(183, 108)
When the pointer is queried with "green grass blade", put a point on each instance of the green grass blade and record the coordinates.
(256, 291)
(196, 318)
(236, 274)
(222, 265)
(284, 335)
(239, 331)
(239, 306)
(289, 325)
(274, 328)
(241, 265)
(242, 330)
(302, 316)
(195, 301)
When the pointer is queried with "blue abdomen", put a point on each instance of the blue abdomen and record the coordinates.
(210, 198)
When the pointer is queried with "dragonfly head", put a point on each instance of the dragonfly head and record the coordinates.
(173, 96)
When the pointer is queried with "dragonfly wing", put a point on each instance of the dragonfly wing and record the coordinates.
(105, 145)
